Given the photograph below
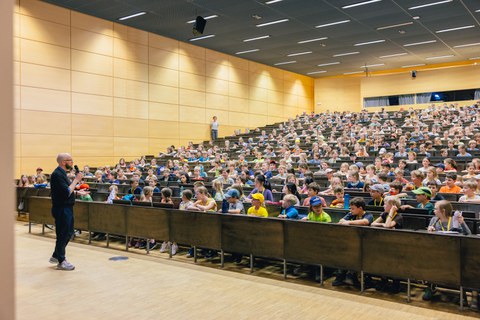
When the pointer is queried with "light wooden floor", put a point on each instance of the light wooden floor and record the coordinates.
(148, 287)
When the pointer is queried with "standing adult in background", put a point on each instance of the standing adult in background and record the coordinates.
(63, 199)
(214, 128)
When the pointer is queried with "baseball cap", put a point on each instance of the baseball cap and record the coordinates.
(377, 187)
(315, 201)
(440, 165)
(84, 186)
(423, 190)
(328, 170)
(382, 151)
(359, 164)
(232, 193)
(258, 196)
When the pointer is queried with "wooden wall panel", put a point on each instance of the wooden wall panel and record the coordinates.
(129, 108)
(93, 24)
(34, 75)
(44, 54)
(92, 63)
(92, 104)
(90, 125)
(45, 99)
(92, 42)
(41, 122)
(114, 91)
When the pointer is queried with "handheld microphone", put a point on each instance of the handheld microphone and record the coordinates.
(76, 169)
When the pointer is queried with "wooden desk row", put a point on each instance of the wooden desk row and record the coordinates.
(450, 260)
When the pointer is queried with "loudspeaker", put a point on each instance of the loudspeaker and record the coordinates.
(199, 25)
(414, 74)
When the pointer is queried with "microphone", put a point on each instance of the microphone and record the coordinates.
(76, 169)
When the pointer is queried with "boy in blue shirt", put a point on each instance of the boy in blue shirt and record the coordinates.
(289, 211)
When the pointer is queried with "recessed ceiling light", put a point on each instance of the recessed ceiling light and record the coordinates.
(273, 1)
(272, 22)
(414, 65)
(367, 43)
(345, 54)
(429, 4)
(395, 25)
(455, 29)
(132, 16)
(332, 24)
(477, 10)
(312, 40)
(298, 53)
(328, 64)
(316, 72)
(373, 65)
(257, 38)
(467, 45)
(416, 17)
(285, 62)
(419, 43)
(360, 4)
(206, 18)
(201, 38)
(354, 72)
(393, 55)
(440, 57)
(247, 51)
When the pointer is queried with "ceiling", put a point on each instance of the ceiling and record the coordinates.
(235, 23)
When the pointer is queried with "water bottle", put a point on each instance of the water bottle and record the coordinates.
(225, 206)
(346, 201)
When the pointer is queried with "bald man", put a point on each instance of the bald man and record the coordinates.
(63, 199)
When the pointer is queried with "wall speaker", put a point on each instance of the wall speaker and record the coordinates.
(199, 25)
(414, 74)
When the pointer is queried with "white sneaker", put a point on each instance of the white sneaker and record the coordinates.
(164, 246)
(174, 249)
(53, 260)
(65, 265)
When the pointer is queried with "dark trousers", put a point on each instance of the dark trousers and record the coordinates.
(214, 134)
(64, 230)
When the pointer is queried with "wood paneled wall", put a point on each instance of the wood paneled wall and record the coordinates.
(347, 93)
(102, 91)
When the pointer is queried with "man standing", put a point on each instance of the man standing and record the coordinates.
(214, 128)
(63, 199)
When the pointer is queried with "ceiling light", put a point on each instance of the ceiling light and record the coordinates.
(474, 58)
(272, 22)
(273, 1)
(393, 55)
(477, 10)
(316, 72)
(354, 72)
(328, 64)
(345, 54)
(369, 42)
(332, 23)
(373, 65)
(395, 25)
(467, 45)
(439, 57)
(257, 38)
(455, 29)
(206, 18)
(201, 38)
(414, 65)
(312, 40)
(429, 4)
(298, 53)
(419, 43)
(132, 16)
(360, 4)
(416, 17)
(285, 62)
(247, 51)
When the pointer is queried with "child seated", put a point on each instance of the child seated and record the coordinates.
(469, 189)
(390, 218)
(423, 195)
(316, 211)
(354, 180)
(339, 198)
(186, 202)
(257, 208)
(235, 206)
(312, 191)
(289, 211)
(450, 186)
